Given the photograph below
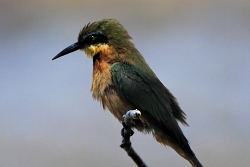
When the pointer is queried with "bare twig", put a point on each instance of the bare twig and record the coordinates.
(128, 122)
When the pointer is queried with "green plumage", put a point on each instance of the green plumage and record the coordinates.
(158, 106)
(122, 80)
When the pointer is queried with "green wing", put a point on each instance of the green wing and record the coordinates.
(151, 97)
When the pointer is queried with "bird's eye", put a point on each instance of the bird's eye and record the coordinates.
(92, 37)
(96, 38)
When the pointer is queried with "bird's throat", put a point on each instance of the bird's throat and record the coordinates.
(93, 50)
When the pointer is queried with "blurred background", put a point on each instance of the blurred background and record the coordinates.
(200, 50)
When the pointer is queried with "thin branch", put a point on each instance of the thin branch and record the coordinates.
(128, 121)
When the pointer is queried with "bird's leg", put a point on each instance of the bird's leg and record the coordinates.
(126, 132)
(128, 121)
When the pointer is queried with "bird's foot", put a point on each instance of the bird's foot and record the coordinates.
(126, 137)
(125, 134)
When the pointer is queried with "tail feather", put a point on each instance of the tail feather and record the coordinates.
(188, 154)
(191, 158)
(183, 150)
(194, 161)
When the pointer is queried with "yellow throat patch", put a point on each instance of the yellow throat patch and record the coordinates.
(92, 50)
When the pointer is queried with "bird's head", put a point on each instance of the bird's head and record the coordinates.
(99, 35)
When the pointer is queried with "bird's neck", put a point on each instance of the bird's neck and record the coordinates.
(102, 62)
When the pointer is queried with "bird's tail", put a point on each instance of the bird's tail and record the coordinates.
(183, 149)
(190, 157)
(192, 160)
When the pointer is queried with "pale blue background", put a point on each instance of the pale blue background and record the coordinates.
(199, 49)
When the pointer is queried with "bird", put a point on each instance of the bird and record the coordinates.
(122, 81)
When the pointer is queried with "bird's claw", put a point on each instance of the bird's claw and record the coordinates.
(127, 135)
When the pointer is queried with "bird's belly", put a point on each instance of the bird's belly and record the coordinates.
(116, 103)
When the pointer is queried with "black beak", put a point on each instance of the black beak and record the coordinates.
(69, 49)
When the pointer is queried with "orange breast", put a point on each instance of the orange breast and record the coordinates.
(101, 72)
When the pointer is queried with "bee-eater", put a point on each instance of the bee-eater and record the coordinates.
(122, 81)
